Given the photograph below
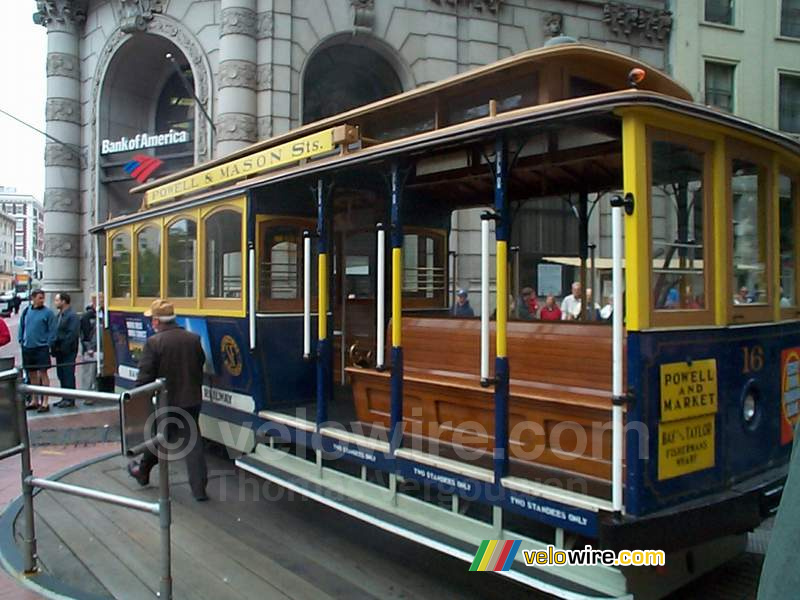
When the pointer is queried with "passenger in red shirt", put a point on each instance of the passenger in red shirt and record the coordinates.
(550, 311)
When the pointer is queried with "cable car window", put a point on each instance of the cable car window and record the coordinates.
(749, 233)
(788, 250)
(223, 234)
(423, 266)
(280, 272)
(148, 262)
(181, 258)
(121, 266)
(678, 236)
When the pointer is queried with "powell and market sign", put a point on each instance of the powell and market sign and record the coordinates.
(302, 148)
(141, 141)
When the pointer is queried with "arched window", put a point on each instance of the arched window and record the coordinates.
(121, 266)
(148, 262)
(181, 258)
(223, 241)
(281, 265)
(344, 76)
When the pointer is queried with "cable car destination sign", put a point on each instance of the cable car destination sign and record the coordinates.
(293, 151)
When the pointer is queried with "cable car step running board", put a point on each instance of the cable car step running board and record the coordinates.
(427, 524)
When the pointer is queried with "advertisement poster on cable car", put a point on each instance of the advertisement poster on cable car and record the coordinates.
(790, 392)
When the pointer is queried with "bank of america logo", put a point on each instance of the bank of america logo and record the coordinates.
(142, 166)
(495, 555)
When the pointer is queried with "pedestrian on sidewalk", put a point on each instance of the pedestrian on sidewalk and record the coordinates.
(37, 332)
(65, 346)
(89, 347)
(176, 355)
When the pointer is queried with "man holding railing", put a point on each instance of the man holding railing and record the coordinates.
(176, 355)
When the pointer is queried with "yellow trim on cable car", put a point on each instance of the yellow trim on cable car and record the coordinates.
(502, 297)
(322, 299)
(397, 297)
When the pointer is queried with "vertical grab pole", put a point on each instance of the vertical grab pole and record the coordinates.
(98, 326)
(29, 536)
(106, 297)
(324, 350)
(501, 369)
(306, 294)
(485, 217)
(251, 293)
(616, 415)
(164, 506)
(380, 320)
(397, 314)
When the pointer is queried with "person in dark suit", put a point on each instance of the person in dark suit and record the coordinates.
(176, 355)
(65, 346)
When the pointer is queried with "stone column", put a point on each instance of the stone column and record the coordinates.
(62, 204)
(236, 80)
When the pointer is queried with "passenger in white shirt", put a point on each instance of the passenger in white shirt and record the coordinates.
(571, 305)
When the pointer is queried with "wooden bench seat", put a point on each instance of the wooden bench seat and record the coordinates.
(560, 390)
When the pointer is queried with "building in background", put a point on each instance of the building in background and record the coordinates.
(28, 215)
(7, 227)
(139, 89)
(741, 56)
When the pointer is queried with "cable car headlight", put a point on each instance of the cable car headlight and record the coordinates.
(751, 405)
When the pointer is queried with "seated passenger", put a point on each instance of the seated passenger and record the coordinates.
(743, 296)
(528, 305)
(462, 308)
(594, 307)
(550, 310)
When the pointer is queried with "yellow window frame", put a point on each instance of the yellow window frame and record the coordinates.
(145, 301)
(182, 302)
(231, 307)
(118, 303)
(781, 169)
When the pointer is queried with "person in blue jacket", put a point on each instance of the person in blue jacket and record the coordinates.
(65, 346)
(36, 334)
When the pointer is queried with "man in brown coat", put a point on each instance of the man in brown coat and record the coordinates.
(177, 355)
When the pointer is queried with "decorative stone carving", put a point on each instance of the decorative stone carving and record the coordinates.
(265, 25)
(236, 73)
(363, 13)
(236, 127)
(238, 20)
(52, 13)
(627, 18)
(62, 200)
(59, 155)
(135, 14)
(553, 24)
(489, 5)
(62, 245)
(63, 65)
(264, 77)
(63, 109)
(264, 128)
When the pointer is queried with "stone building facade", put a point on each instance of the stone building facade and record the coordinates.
(229, 72)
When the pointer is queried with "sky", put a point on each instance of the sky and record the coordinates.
(23, 91)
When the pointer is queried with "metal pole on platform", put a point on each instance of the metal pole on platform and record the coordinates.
(485, 217)
(501, 367)
(380, 319)
(617, 317)
(251, 291)
(307, 268)
(396, 401)
(29, 535)
(165, 509)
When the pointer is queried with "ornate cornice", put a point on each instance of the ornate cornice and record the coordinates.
(63, 65)
(62, 200)
(58, 155)
(63, 109)
(134, 15)
(489, 5)
(238, 20)
(62, 245)
(236, 73)
(236, 127)
(55, 13)
(628, 18)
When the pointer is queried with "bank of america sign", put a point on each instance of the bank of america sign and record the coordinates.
(140, 141)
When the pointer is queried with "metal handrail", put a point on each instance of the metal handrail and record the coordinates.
(161, 508)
